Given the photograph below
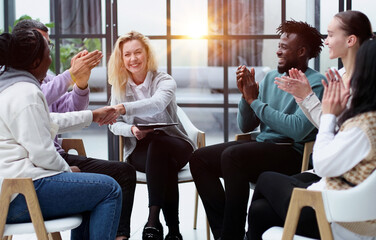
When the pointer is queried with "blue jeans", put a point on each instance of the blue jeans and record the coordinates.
(96, 196)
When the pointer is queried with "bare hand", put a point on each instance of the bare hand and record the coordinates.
(333, 101)
(140, 134)
(105, 115)
(296, 84)
(246, 83)
(82, 64)
(120, 109)
(75, 169)
(333, 75)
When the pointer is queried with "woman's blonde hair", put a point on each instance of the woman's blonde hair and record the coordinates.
(117, 73)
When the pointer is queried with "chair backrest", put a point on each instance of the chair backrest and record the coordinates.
(352, 205)
(194, 134)
(308, 148)
(24, 186)
(75, 144)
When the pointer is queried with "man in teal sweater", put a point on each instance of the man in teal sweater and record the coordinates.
(283, 131)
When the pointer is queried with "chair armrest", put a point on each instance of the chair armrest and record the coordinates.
(302, 198)
(247, 136)
(200, 139)
(75, 144)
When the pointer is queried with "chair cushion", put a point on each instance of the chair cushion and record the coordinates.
(183, 176)
(275, 233)
(55, 225)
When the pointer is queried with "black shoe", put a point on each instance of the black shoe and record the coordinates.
(174, 236)
(153, 233)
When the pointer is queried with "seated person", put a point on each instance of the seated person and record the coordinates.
(27, 149)
(343, 159)
(142, 94)
(279, 146)
(59, 100)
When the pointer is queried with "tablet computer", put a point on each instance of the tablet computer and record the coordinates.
(143, 126)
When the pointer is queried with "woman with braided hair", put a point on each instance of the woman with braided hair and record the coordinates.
(27, 150)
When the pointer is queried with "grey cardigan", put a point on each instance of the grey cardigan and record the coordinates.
(161, 106)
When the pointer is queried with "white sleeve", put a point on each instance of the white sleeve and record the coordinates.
(71, 121)
(311, 107)
(335, 154)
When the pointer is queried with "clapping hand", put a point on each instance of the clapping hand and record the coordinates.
(105, 115)
(296, 84)
(336, 94)
(246, 83)
(81, 66)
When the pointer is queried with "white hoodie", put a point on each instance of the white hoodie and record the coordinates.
(27, 130)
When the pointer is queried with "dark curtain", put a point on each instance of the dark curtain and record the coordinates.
(246, 17)
(80, 16)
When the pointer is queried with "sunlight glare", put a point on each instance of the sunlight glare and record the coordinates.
(197, 30)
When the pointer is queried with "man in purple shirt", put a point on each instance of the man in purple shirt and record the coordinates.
(59, 100)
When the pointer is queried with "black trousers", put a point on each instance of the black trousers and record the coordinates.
(122, 172)
(270, 203)
(161, 157)
(238, 163)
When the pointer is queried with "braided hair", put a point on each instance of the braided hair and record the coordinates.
(21, 49)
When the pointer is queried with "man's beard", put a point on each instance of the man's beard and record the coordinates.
(285, 68)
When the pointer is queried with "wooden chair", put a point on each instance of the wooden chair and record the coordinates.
(184, 174)
(356, 204)
(44, 229)
(73, 144)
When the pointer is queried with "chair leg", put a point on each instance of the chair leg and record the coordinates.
(54, 236)
(207, 229)
(195, 211)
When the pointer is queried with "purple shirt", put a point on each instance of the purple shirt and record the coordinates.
(59, 100)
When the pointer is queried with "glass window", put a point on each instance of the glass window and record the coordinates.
(38, 9)
(325, 62)
(2, 28)
(80, 17)
(297, 10)
(327, 11)
(197, 81)
(246, 17)
(145, 16)
(233, 127)
(272, 16)
(368, 8)
(269, 56)
(189, 17)
(160, 51)
(211, 123)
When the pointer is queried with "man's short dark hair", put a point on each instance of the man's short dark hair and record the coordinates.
(28, 24)
(308, 35)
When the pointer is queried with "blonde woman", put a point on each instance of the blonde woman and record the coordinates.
(142, 94)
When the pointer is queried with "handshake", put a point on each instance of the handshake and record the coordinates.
(105, 115)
